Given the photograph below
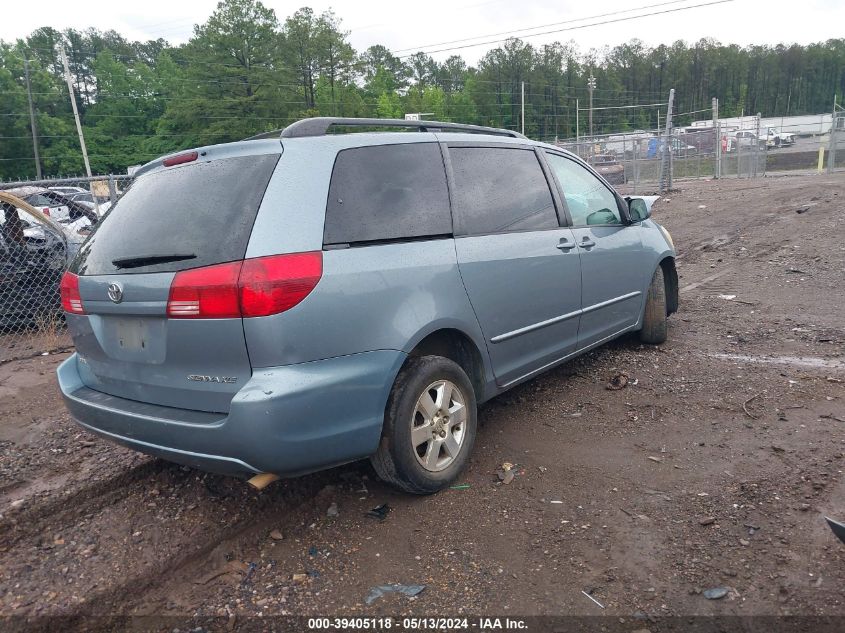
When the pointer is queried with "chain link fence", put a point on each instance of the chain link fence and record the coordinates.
(640, 160)
(746, 147)
(42, 226)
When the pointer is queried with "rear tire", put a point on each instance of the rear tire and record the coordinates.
(429, 426)
(655, 323)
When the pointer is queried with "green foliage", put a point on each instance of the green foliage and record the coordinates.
(245, 72)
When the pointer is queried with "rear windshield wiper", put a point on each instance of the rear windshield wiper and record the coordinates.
(149, 260)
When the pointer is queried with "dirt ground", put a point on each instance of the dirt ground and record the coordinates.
(713, 468)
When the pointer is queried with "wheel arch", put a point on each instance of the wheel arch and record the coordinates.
(670, 280)
(459, 347)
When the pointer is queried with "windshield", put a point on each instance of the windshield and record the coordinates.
(181, 217)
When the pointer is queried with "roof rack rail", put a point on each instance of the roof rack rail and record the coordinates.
(319, 126)
(270, 134)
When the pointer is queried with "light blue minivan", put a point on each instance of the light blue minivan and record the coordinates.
(307, 298)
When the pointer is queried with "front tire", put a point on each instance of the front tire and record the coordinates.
(655, 322)
(429, 426)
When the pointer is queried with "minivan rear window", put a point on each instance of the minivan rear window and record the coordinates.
(180, 217)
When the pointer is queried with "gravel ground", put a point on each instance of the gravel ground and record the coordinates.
(713, 468)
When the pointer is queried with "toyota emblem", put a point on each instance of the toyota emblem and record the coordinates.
(115, 292)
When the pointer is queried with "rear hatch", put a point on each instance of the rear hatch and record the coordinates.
(184, 223)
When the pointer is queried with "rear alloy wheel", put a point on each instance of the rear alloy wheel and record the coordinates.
(655, 321)
(429, 426)
(438, 425)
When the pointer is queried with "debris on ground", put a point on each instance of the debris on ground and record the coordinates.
(250, 570)
(707, 521)
(619, 381)
(276, 535)
(381, 590)
(716, 593)
(593, 599)
(506, 473)
(460, 487)
(837, 528)
(655, 459)
(379, 512)
(332, 511)
(727, 297)
(747, 402)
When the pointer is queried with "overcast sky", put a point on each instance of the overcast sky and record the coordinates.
(407, 26)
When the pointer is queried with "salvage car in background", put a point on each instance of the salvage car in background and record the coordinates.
(34, 251)
(745, 139)
(57, 206)
(611, 169)
(97, 204)
(775, 138)
(68, 191)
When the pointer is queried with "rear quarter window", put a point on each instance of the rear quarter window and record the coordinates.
(205, 210)
(387, 192)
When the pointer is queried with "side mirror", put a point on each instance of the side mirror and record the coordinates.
(638, 209)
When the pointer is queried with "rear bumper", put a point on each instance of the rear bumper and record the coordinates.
(286, 420)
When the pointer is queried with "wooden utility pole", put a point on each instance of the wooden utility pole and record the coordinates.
(32, 122)
(75, 111)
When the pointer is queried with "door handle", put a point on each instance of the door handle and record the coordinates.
(586, 243)
(565, 245)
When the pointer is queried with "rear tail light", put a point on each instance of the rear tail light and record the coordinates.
(205, 293)
(69, 292)
(251, 288)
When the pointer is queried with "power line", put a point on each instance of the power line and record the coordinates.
(693, 112)
(625, 107)
(511, 33)
(581, 26)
